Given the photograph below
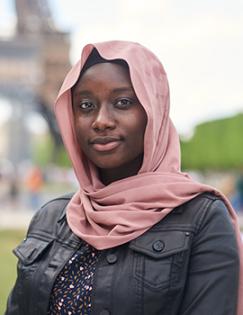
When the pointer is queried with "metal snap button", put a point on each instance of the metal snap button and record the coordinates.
(104, 312)
(111, 258)
(158, 246)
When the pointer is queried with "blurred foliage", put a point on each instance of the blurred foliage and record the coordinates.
(42, 148)
(62, 158)
(215, 145)
(45, 152)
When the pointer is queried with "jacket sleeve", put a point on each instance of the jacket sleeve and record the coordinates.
(212, 283)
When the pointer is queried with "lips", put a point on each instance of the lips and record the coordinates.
(105, 144)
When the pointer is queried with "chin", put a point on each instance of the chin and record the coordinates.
(107, 166)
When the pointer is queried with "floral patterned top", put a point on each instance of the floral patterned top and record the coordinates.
(72, 289)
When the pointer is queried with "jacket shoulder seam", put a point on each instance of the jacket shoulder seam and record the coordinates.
(64, 197)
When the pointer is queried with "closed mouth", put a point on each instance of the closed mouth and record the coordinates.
(105, 144)
(104, 140)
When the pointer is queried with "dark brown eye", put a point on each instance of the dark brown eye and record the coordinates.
(86, 105)
(124, 103)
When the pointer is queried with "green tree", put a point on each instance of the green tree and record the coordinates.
(215, 145)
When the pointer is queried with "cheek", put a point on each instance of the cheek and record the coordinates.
(137, 131)
(80, 130)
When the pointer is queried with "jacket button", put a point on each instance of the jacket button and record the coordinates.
(158, 246)
(104, 312)
(111, 259)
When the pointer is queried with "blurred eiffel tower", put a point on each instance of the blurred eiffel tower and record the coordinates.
(34, 61)
(33, 17)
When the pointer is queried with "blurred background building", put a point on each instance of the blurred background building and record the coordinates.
(33, 63)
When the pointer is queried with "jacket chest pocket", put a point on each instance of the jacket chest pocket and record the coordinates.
(30, 252)
(159, 257)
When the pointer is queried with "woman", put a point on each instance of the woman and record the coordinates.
(139, 237)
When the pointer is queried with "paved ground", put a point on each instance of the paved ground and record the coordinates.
(17, 215)
(15, 219)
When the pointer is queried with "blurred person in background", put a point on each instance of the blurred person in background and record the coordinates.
(34, 183)
(14, 191)
(9, 183)
(139, 236)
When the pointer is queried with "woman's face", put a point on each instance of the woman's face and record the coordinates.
(109, 120)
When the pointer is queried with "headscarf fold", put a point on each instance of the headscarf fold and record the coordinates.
(108, 216)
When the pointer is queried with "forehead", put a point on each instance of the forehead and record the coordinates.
(110, 73)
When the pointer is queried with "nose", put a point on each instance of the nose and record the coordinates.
(104, 119)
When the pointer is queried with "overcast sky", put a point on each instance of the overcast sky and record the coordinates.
(200, 44)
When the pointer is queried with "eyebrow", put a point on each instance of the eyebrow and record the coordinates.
(123, 89)
(83, 92)
(114, 91)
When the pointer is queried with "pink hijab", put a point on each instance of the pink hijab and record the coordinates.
(108, 216)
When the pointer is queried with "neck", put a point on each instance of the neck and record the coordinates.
(110, 175)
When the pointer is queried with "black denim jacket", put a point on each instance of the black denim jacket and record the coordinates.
(187, 264)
